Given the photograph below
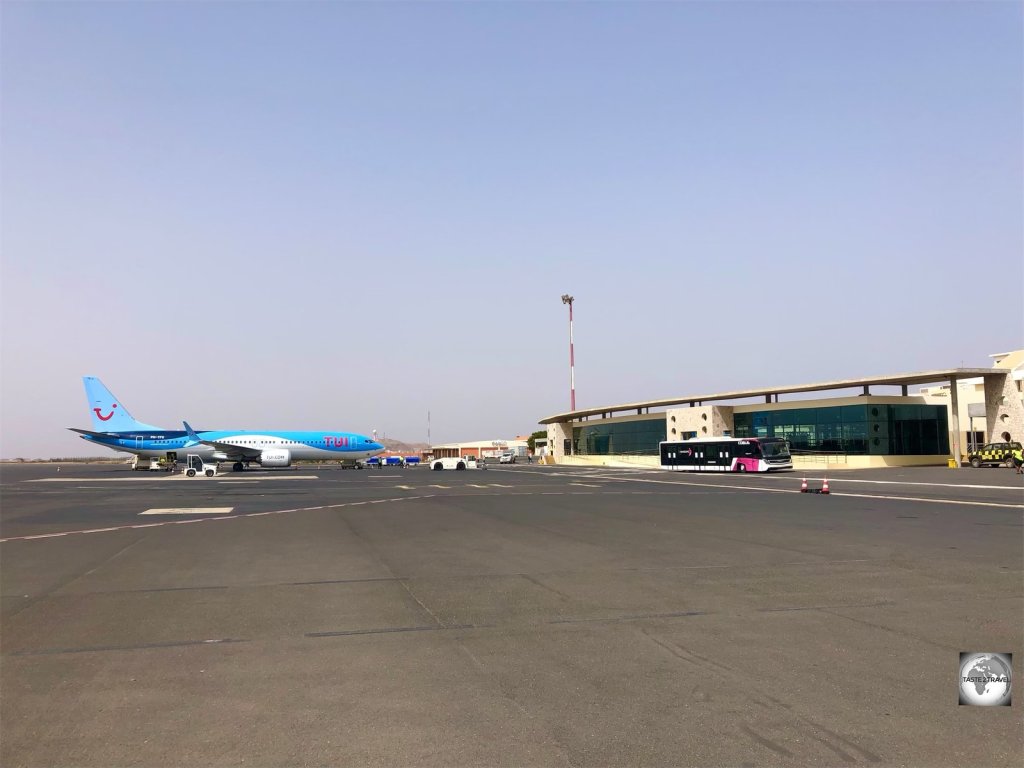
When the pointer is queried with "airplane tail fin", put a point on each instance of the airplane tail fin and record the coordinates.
(193, 438)
(107, 412)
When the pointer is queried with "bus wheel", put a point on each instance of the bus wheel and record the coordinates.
(741, 467)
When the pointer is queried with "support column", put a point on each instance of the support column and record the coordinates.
(954, 403)
(557, 435)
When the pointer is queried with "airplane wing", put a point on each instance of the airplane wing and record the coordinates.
(230, 450)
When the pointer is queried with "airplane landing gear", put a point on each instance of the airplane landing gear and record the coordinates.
(237, 466)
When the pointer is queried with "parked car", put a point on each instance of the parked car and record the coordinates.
(993, 454)
(507, 458)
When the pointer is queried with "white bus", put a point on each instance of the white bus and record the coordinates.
(726, 454)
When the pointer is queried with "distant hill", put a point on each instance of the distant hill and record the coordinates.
(406, 449)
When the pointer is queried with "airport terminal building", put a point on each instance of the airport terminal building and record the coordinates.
(854, 425)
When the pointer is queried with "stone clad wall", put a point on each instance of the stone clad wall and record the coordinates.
(705, 420)
(557, 435)
(1004, 409)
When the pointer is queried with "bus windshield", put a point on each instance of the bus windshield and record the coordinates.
(773, 449)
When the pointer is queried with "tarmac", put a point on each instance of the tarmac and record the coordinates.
(518, 616)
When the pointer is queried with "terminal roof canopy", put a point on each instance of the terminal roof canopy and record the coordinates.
(900, 379)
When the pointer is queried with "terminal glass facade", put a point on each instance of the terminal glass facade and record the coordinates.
(869, 429)
(639, 438)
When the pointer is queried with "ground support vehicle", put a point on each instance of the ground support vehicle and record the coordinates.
(154, 464)
(456, 462)
(194, 465)
(992, 455)
(726, 454)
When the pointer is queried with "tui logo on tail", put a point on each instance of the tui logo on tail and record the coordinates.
(101, 417)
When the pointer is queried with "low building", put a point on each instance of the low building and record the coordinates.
(482, 449)
(861, 429)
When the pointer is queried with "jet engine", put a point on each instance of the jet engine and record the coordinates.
(276, 458)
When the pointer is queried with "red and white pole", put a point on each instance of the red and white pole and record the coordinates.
(567, 299)
(572, 366)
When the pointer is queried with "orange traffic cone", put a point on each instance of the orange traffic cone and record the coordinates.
(824, 486)
(803, 485)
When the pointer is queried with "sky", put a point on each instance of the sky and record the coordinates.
(349, 215)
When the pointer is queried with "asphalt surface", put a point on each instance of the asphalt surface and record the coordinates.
(519, 616)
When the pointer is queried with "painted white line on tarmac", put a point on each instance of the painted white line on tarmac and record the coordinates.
(255, 478)
(833, 493)
(163, 523)
(817, 474)
(100, 479)
(547, 493)
(187, 511)
(165, 477)
(939, 485)
(933, 501)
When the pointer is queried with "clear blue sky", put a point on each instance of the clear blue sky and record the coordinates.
(347, 214)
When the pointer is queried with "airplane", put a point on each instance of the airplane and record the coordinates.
(115, 428)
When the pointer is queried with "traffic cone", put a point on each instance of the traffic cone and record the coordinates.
(803, 485)
(824, 486)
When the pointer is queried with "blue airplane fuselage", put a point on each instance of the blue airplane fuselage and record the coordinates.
(115, 428)
(323, 446)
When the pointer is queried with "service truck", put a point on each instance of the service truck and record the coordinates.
(194, 465)
(457, 462)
